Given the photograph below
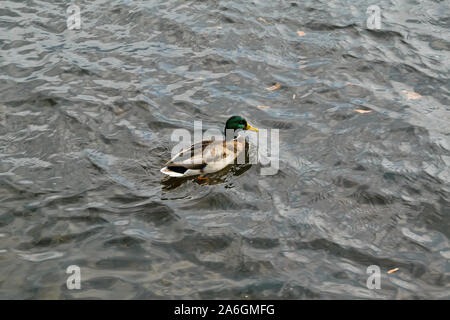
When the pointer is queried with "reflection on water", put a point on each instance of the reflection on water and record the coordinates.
(85, 123)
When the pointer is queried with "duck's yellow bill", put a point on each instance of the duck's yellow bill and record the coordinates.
(249, 127)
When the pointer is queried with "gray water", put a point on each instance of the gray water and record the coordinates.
(86, 118)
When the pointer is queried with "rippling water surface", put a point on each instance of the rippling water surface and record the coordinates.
(85, 123)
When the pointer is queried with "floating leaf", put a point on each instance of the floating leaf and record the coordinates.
(392, 270)
(362, 111)
(412, 95)
(118, 111)
(263, 20)
(274, 87)
(301, 33)
(263, 107)
(166, 282)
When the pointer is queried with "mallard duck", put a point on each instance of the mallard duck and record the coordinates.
(215, 155)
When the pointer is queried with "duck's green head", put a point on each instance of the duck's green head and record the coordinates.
(237, 122)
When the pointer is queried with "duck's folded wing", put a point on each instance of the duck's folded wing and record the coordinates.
(192, 157)
(221, 152)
